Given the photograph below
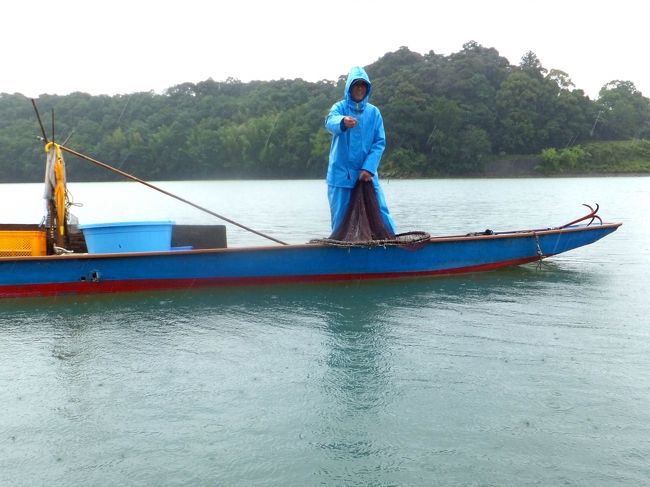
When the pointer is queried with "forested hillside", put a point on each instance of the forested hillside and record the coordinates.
(444, 115)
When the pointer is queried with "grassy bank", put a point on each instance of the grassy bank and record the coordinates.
(614, 157)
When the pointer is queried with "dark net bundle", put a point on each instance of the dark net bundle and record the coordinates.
(363, 219)
(364, 226)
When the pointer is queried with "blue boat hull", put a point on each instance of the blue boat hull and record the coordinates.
(106, 273)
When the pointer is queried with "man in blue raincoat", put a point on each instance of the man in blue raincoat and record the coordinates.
(358, 142)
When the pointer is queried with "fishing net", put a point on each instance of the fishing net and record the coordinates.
(363, 225)
(363, 220)
(410, 239)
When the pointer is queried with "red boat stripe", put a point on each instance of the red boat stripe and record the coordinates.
(54, 289)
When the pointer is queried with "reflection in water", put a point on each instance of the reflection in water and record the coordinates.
(356, 384)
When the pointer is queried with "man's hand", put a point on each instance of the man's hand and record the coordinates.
(349, 122)
(365, 176)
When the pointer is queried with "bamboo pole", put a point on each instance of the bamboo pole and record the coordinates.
(134, 178)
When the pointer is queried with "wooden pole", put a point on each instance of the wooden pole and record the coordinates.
(134, 178)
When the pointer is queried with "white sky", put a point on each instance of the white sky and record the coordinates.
(120, 46)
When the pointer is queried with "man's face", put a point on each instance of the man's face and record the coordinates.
(358, 91)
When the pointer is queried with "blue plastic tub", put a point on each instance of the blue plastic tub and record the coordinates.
(105, 238)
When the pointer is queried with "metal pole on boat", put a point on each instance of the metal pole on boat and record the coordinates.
(134, 178)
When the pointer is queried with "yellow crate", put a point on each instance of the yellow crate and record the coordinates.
(22, 243)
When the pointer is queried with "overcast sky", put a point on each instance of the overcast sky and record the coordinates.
(119, 46)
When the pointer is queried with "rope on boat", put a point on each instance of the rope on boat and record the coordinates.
(476, 234)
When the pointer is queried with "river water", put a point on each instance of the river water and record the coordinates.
(536, 375)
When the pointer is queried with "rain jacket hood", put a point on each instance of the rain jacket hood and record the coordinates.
(355, 74)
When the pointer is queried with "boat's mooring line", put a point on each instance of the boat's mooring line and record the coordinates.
(540, 254)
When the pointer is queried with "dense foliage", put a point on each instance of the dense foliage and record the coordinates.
(444, 115)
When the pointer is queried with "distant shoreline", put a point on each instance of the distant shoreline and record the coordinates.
(385, 178)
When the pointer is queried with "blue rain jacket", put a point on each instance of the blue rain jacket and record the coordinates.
(354, 149)
(360, 147)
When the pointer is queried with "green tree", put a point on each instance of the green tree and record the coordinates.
(520, 120)
(626, 112)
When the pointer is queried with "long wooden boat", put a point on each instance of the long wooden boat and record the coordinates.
(81, 273)
(196, 258)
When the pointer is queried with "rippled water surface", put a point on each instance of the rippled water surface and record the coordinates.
(536, 375)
